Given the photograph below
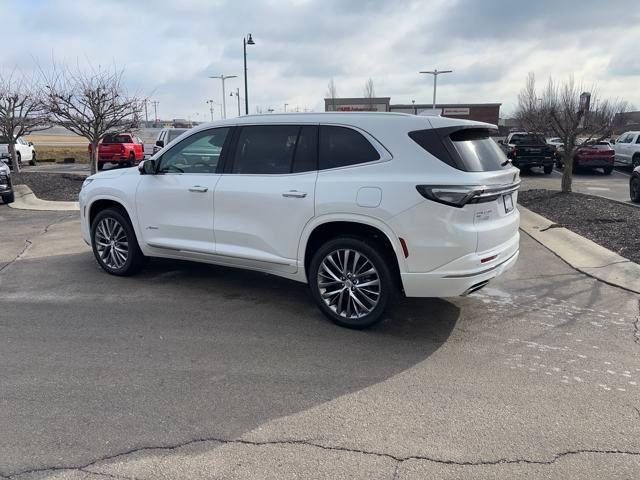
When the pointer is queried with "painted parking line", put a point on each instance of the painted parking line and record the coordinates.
(622, 173)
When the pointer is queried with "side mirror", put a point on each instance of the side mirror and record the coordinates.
(160, 143)
(147, 167)
(31, 144)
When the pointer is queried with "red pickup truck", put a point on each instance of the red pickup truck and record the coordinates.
(121, 149)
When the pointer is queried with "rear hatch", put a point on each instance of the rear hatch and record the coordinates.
(487, 185)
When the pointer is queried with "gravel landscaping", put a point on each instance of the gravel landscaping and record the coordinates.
(613, 225)
(52, 186)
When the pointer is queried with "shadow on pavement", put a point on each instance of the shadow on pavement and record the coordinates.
(95, 365)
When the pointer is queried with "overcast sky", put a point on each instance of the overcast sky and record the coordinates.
(168, 48)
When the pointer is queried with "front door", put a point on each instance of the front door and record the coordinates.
(266, 196)
(175, 206)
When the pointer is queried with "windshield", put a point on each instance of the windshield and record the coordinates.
(173, 134)
(117, 139)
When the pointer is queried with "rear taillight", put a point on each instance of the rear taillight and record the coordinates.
(122, 149)
(460, 195)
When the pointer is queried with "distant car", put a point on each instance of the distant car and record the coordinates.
(166, 136)
(6, 189)
(25, 151)
(526, 150)
(593, 155)
(627, 149)
(123, 149)
(634, 185)
(556, 142)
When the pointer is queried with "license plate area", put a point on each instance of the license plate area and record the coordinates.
(507, 199)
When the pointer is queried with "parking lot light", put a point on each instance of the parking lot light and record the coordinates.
(246, 41)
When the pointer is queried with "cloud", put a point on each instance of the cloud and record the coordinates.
(169, 48)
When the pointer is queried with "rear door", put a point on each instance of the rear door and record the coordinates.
(266, 196)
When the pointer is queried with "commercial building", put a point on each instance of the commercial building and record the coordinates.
(482, 112)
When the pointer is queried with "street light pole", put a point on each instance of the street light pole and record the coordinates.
(224, 98)
(246, 41)
(211, 102)
(435, 74)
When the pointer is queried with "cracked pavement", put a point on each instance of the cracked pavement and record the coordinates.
(196, 371)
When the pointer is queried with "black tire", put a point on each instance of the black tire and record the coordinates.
(335, 309)
(19, 159)
(34, 161)
(634, 190)
(9, 198)
(607, 170)
(100, 166)
(635, 161)
(134, 256)
(547, 169)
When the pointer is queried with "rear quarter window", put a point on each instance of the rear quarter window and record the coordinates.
(342, 146)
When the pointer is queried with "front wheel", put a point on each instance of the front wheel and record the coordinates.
(635, 161)
(9, 198)
(548, 169)
(114, 243)
(34, 161)
(634, 190)
(351, 282)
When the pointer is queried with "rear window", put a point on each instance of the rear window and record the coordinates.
(341, 147)
(471, 150)
(525, 139)
(117, 139)
(478, 151)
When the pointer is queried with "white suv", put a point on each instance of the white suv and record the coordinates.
(358, 205)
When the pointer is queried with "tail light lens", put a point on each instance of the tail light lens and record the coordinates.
(122, 149)
(460, 195)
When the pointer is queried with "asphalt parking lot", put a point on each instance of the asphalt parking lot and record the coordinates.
(192, 371)
(590, 182)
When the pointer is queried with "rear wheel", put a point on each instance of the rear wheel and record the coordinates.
(634, 190)
(100, 166)
(607, 170)
(635, 161)
(548, 169)
(351, 282)
(114, 243)
(132, 160)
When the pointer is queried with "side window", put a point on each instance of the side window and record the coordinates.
(341, 146)
(265, 149)
(624, 138)
(199, 153)
(638, 139)
(306, 158)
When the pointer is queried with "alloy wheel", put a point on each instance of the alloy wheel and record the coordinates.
(349, 283)
(112, 243)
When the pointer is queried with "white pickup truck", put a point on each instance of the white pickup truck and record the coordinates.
(627, 148)
(25, 151)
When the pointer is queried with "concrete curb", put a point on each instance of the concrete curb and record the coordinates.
(582, 254)
(27, 200)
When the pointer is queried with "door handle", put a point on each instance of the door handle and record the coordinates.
(294, 194)
(198, 188)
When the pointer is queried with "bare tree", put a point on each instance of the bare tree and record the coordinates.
(22, 110)
(369, 93)
(332, 93)
(566, 111)
(92, 105)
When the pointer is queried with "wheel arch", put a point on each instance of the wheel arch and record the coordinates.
(323, 228)
(104, 202)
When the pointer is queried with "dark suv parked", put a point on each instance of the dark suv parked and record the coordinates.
(6, 189)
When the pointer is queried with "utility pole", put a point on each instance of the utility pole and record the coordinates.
(435, 74)
(146, 115)
(155, 109)
(224, 98)
(285, 107)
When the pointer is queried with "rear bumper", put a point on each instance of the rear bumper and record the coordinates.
(463, 275)
(532, 162)
(594, 162)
